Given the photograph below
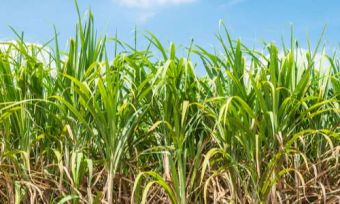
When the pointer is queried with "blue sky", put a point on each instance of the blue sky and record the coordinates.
(177, 20)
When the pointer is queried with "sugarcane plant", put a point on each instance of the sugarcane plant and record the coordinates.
(94, 124)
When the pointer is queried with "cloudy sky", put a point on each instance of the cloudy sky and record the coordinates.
(177, 20)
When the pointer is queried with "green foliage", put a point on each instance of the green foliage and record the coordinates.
(82, 126)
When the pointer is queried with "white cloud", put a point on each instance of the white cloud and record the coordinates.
(145, 16)
(231, 3)
(144, 10)
(146, 4)
(234, 2)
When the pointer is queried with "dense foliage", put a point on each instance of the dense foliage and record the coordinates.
(87, 126)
